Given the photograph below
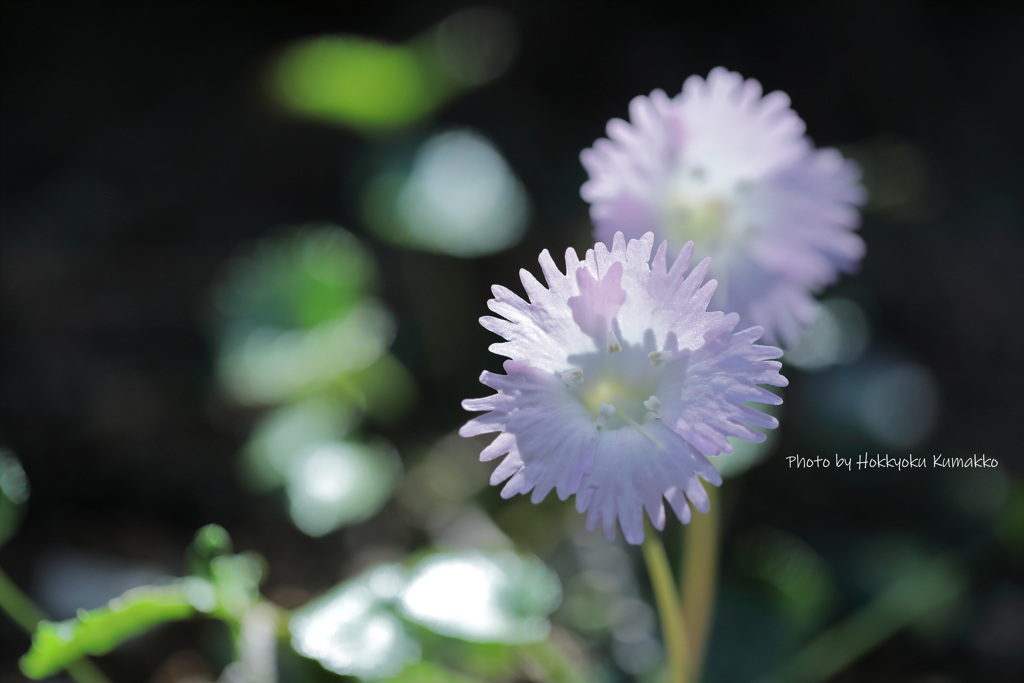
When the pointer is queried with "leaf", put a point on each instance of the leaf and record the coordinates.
(335, 483)
(96, 632)
(361, 627)
(296, 316)
(352, 631)
(210, 542)
(364, 84)
(492, 597)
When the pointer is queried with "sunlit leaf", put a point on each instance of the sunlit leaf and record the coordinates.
(285, 433)
(96, 632)
(296, 317)
(296, 280)
(361, 83)
(351, 630)
(495, 597)
(236, 579)
(373, 87)
(460, 197)
(272, 365)
(334, 483)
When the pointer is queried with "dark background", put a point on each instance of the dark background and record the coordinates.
(138, 151)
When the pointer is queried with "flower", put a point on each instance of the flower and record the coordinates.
(619, 385)
(733, 171)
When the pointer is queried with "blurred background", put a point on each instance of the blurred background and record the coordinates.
(244, 251)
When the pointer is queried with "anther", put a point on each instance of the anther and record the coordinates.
(613, 342)
(603, 413)
(659, 357)
(571, 377)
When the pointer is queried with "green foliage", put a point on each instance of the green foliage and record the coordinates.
(373, 87)
(296, 317)
(330, 481)
(96, 632)
(357, 82)
(300, 330)
(384, 622)
(211, 541)
(225, 586)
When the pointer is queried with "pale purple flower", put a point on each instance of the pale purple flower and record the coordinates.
(620, 384)
(733, 171)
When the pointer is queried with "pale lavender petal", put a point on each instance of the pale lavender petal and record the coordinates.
(598, 302)
(624, 425)
(731, 169)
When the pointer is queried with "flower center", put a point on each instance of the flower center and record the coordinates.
(693, 210)
(616, 387)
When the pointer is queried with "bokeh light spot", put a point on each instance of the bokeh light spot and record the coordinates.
(460, 198)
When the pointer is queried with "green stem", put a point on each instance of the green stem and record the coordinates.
(699, 582)
(27, 615)
(22, 610)
(673, 629)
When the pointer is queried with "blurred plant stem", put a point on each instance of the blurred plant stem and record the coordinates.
(912, 597)
(699, 580)
(27, 615)
(673, 628)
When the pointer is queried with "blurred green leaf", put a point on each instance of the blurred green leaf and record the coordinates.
(374, 87)
(486, 601)
(14, 492)
(225, 586)
(210, 542)
(96, 632)
(236, 579)
(296, 280)
(286, 432)
(351, 630)
(272, 365)
(459, 197)
(335, 483)
(493, 597)
(357, 82)
(296, 316)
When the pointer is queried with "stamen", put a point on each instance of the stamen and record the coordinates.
(659, 357)
(572, 377)
(613, 342)
(603, 413)
(653, 404)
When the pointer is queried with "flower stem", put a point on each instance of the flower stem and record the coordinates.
(699, 581)
(673, 629)
(27, 615)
